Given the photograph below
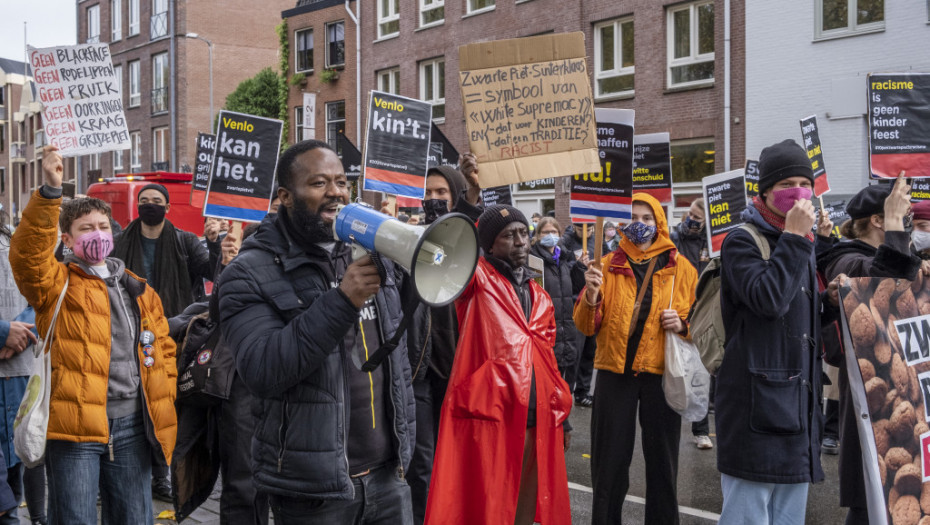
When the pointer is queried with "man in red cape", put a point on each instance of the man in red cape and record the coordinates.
(500, 456)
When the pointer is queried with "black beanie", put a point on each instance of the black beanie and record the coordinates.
(157, 187)
(781, 161)
(494, 220)
(869, 201)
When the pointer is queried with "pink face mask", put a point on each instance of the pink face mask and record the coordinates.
(93, 247)
(784, 199)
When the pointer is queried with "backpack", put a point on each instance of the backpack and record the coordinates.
(705, 318)
(206, 367)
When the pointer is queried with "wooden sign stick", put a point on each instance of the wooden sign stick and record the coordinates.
(584, 238)
(236, 231)
(598, 242)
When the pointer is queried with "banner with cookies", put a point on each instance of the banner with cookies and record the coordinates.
(886, 323)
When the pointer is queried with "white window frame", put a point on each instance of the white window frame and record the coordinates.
(388, 80)
(93, 24)
(853, 28)
(618, 69)
(160, 156)
(433, 97)
(135, 83)
(135, 150)
(393, 17)
(430, 5)
(327, 43)
(298, 123)
(117, 160)
(118, 76)
(93, 161)
(297, 34)
(116, 20)
(331, 140)
(470, 8)
(694, 57)
(133, 17)
(159, 9)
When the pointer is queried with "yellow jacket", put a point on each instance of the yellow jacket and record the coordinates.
(610, 318)
(80, 347)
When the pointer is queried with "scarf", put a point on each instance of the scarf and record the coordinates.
(772, 219)
(172, 279)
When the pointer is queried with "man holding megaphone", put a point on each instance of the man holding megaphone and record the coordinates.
(332, 442)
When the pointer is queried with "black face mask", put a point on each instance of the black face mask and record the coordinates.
(433, 209)
(152, 214)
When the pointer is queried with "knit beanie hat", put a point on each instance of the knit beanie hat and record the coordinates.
(157, 187)
(494, 220)
(921, 210)
(781, 161)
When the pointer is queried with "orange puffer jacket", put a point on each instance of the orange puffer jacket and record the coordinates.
(81, 344)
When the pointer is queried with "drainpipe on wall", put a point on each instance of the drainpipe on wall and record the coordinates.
(726, 85)
(173, 93)
(358, 70)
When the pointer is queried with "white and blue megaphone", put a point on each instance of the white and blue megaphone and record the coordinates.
(440, 258)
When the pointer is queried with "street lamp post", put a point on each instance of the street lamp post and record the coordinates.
(210, 67)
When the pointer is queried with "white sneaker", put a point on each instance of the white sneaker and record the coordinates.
(703, 442)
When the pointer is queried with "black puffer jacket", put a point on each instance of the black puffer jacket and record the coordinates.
(691, 244)
(563, 282)
(283, 314)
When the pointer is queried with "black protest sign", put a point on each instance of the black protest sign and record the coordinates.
(836, 211)
(814, 149)
(351, 157)
(206, 144)
(724, 202)
(920, 190)
(450, 155)
(496, 195)
(752, 178)
(899, 124)
(397, 145)
(435, 155)
(243, 171)
(652, 166)
(607, 193)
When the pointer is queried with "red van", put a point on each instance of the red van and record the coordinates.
(121, 193)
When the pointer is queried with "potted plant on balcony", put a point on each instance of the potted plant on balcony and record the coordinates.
(299, 79)
(329, 75)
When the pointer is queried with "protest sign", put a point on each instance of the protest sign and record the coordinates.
(752, 178)
(309, 111)
(609, 192)
(351, 157)
(243, 171)
(920, 190)
(528, 108)
(497, 195)
(815, 153)
(886, 334)
(449, 155)
(836, 210)
(396, 145)
(206, 144)
(652, 166)
(899, 124)
(80, 94)
(724, 202)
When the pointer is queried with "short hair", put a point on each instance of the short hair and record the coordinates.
(286, 162)
(77, 208)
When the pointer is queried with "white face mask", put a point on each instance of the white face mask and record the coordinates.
(921, 240)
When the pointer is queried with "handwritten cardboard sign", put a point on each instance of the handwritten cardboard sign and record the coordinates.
(528, 108)
(652, 166)
(724, 202)
(899, 124)
(814, 148)
(609, 192)
(80, 93)
(397, 145)
(206, 144)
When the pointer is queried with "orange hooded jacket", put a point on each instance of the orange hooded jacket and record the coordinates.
(610, 318)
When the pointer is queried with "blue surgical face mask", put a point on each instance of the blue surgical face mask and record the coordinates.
(549, 240)
(639, 233)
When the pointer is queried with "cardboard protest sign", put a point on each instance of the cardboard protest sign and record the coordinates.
(724, 202)
(652, 166)
(396, 145)
(815, 152)
(528, 108)
(609, 192)
(244, 163)
(920, 190)
(899, 124)
(351, 157)
(206, 144)
(83, 108)
(497, 195)
(449, 155)
(752, 178)
(886, 333)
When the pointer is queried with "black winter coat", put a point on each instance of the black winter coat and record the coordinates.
(563, 282)
(283, 314)
(691, 245)
(769, 412)
(573, 243)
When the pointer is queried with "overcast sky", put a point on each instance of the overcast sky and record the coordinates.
(50, 23)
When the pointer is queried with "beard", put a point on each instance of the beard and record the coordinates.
(310, 224)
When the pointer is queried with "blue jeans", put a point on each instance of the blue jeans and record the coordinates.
(381, 497)
(755, 503)
(76, 471)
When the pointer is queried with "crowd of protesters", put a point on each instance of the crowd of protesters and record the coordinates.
(469, 422)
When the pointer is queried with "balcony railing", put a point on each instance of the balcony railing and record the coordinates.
(40, 139)
(159, 25)
(159, 100)
(18, 151)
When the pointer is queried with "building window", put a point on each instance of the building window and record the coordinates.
(848, 17)
(118, 80)
(117, 160)
(159, 26)
(691, 45)
(116, 20)
(389, 80)
(2, 96)
(613, 58)
(476, 6)
(93, 24)
(433, 86)
(133, 17)
(135, 152)
(304, 57)
(160, 83)
(2, 180)
(135, 90)
(298, 123)
(159, 145)
(335, 123)
(93, 161)
(432, 12)
(692, 159)
(336, 44)
(388, 18)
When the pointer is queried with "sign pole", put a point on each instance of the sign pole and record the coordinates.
(598, 242)
(236, 231)
(584, 238)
